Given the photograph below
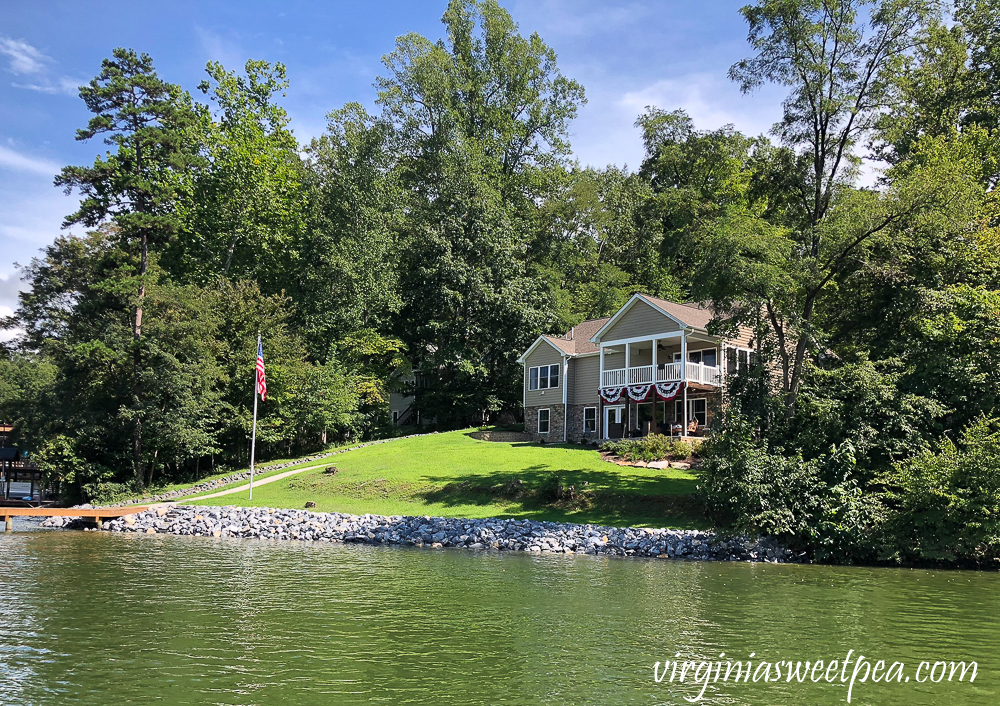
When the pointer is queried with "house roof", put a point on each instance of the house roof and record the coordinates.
(693, 315)
(690, 314)
(577, 341)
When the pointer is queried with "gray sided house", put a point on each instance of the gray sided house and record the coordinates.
(651, 368)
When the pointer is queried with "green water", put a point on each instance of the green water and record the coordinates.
(98, 618)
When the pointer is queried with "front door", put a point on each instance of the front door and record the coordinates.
(613, 427)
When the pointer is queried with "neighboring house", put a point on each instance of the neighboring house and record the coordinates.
(652, 367)
(19, 478)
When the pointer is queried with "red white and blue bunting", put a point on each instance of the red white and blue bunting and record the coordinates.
(639, 393)
(665, 391)
(611, 394)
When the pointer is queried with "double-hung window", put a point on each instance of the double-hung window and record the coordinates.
(543, 421)
(590, 420)
(543, 377)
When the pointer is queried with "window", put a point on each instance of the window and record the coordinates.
(543, 421)
(707, 356)
(738, 359)
(395, 417)
(697, 409)
(543, 377)
(590, 420)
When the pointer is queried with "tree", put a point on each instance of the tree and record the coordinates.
(244, 212)
(137, 188)
(947, 87)
(481, 121)
(347, 275)
(839, 70)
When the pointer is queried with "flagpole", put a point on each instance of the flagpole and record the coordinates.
(253, 434)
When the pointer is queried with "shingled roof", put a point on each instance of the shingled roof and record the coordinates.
(577, 341)
(690, 314)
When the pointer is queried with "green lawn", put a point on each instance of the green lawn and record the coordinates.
(454, 475)
(262, 471)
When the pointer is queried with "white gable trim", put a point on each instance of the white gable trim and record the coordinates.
(628, 305)
(533, 346)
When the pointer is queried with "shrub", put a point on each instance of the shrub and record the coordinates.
(108, 493)
(945, 504)
(680, 450)
(809, 504)
(654, 447)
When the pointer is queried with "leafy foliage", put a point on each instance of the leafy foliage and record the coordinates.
(945, 503)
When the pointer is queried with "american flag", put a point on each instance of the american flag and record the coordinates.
(261, 380)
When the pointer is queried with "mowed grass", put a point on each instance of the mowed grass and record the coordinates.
(454, 475)
(262, 471)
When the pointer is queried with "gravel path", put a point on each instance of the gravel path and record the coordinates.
(258, 483)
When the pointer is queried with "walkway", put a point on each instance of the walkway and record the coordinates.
(256, 484)
(97, 514)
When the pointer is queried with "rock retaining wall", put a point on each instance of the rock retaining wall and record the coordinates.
(509, 437)
(510, 535)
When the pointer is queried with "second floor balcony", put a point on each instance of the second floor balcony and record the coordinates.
(664, 372)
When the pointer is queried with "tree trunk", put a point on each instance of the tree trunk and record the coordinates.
(137, 391)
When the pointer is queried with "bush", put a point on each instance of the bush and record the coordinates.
(654, 447)
(814, 505)
(108, 493)
(945, 504)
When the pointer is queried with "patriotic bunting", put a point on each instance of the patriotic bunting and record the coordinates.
(638, 393)
(665, 391)
(611, 394)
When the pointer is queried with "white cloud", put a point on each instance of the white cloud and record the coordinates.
(711, 103)
(224, 49)
(8, 300)
(605, 132)
(15, 161)
(64, 85)
(24, 58)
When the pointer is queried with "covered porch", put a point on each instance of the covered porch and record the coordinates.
(630, 419)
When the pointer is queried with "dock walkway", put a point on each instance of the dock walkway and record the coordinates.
(97, 514)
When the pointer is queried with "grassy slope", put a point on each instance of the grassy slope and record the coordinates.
(262, 471)
(453, 475)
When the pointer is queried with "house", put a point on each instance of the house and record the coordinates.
(652, 367)
(19, 477)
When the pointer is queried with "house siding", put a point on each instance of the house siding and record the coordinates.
(743, 339)
(585, 379)
(641, 320)
(544, 354)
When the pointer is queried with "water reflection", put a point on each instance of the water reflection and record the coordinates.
(99, 618)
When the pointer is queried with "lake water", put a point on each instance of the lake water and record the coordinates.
(97, 618)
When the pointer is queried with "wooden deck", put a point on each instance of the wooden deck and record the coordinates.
(97, 514)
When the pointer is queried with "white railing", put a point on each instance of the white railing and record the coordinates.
(640, 375)
(665, 372)
(705, 374)
(668, 372)
(614, 378)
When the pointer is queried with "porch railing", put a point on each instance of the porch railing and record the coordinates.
(666, 372)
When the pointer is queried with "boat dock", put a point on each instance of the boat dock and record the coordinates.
(97, 514)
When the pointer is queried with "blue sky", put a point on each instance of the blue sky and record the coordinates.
(626, 54)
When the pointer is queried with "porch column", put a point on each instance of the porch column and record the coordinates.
(628, 360)
(601, 379)
(655, 377)
(684, 357)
